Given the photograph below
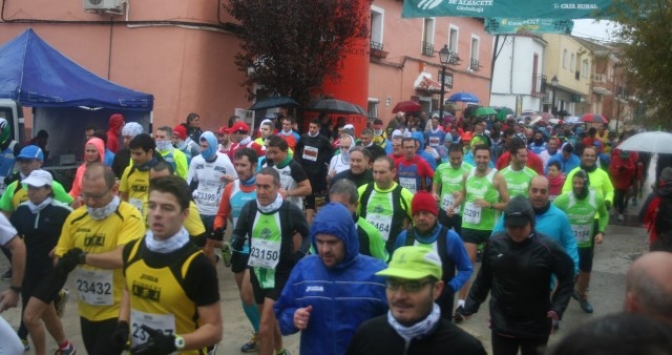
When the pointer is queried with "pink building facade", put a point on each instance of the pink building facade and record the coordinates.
(405, 61)
(186, 63)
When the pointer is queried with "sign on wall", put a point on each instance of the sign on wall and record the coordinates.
(548, 9)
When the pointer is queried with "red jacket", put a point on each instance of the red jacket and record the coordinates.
(116, 124)
(622, 171)
(533, 162)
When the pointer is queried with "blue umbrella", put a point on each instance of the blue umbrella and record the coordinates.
(273, 102)
(463, 97)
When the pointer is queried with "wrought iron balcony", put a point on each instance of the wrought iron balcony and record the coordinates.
(474, 65)
(376, 45)
(427, 49)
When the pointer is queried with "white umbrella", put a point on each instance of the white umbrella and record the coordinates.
(572, 119)
(652, 142)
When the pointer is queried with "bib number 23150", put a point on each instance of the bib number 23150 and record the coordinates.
(264, 253)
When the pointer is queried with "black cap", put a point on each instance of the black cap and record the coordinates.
(518, 212)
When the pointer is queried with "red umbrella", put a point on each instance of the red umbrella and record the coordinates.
(593, 118)
(407, 106)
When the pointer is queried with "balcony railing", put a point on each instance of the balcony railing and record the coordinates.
(376, 45)
(600, 78)
(538, 84)
(474, 65)
(427, 49)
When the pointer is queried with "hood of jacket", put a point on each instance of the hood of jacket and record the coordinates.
(100, 147)
(418, 136)
(116, 123)
(334, 219)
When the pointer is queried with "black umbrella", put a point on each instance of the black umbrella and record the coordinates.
(273, 102)
(336, 106)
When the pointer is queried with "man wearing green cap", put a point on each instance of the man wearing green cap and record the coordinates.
(413, 325)
(516, 270)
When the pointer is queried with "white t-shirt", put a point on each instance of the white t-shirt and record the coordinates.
(210, 184)
(7, 231)
(337, 164)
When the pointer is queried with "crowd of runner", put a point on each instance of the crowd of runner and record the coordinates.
(366, 244)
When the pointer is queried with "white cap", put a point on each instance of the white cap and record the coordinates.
(38, 178)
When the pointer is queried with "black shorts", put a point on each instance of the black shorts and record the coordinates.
(43, 287)
(273, 293)
(239, 261)
(96, 335)
(474, 236)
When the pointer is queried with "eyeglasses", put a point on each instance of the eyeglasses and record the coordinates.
(407, 286)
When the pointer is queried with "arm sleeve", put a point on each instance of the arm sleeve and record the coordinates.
(201, 285)
(568, 241)
(537, 164)
(429, 172)
(65, 240)
(377, 245)
(300, 225)
(407, 196)
(60, 194)
(298, 173)
(7, 231)
(6, 199)
(224, 209)
(286, 305)
(458, 253)
(481, 286)
(644, 212)
(133, 228)
(607, 188)
(564, 271)
(298, 150)
(194, 224)
(604, 215)
(181, 164)
(191, 174)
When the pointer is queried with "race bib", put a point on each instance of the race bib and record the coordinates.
(95, 287)
(264, 253)
(137, 203)
(582, 233)
(472, 213)
(409, 183)
(206, 198)
(163, 322)
(434, 141)
(382, 223)
(447, 201)
(310, 153)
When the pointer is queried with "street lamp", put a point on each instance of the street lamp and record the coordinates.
(554, 83)
(444, 57)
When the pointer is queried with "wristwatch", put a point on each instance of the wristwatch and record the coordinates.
(16, 289)
(179, 342)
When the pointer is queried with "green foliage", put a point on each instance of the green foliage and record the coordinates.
(293, 45)
(646, 33)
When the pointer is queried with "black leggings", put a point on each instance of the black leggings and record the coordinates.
(454, 222)
(620, 204)
(96, 335)
(504, 345)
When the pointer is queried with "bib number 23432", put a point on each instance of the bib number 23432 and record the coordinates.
(95, 287)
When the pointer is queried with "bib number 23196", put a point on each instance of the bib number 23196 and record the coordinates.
(95, 287)
(264, 253)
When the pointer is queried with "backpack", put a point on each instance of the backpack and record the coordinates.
(662, 221)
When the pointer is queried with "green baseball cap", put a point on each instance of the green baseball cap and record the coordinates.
(414, 263)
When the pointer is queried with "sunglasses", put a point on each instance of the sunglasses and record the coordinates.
(407, 286)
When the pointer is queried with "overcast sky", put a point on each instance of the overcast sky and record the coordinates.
(601, 30)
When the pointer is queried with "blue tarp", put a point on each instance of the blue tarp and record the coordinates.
(37, 75)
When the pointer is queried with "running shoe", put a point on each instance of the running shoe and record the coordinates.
(226, 253)
(70, 350)
(251, 346)
(26, 344)
(585, 305)
(63, 296)
(7, 275)
(556, 324)
(459, 314)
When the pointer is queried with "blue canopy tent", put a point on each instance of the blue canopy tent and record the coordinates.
(65, 96)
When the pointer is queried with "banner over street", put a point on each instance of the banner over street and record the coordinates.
(526, 9)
